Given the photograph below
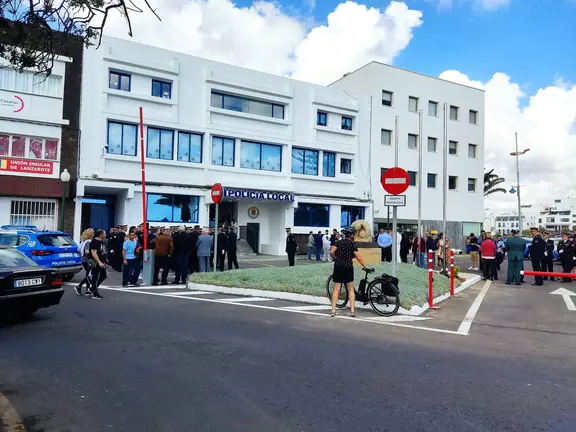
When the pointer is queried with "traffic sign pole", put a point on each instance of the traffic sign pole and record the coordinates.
(395, 209)
(217, 193)
(216, 236)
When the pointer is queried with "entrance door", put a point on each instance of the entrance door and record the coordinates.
(98, 212)
(253, 236)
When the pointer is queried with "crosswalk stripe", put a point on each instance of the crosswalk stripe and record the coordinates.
(309, 307)
(245, 299)
(155, 287)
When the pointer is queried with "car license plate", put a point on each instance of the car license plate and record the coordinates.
(27, 282)
(66, 255)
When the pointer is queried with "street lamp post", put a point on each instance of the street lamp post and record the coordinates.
(517, 154)
(65, 179)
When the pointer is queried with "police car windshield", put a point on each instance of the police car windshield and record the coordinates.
(57, 240)
(8, 239)
(13, 258)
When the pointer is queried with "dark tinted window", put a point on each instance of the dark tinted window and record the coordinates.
(57, 240)
(13, 258)
(8, 239)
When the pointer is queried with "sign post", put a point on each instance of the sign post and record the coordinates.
(395, 181)
(217, 193)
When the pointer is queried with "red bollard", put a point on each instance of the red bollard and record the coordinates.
(431, 281)
(452, 273)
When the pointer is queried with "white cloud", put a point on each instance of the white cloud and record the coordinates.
(266, 38)
(485, 5)
(546, 125)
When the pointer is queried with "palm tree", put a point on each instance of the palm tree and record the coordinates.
(492, 180)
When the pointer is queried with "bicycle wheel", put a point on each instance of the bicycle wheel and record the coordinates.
(342, 298)
(381, 303)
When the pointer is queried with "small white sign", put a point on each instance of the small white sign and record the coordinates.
(395, 200)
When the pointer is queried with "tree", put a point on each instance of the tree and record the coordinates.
(31, 31)
(492, 180)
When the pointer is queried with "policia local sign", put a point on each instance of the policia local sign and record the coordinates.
(257, 195)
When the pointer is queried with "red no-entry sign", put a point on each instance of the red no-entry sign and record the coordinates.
(217, 193)
(395, 181)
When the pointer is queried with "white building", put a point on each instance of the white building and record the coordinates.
(285, 151)
(398, 92)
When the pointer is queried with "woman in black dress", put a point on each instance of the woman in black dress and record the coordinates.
(344, 253)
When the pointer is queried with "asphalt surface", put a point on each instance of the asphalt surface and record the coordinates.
(136, 362)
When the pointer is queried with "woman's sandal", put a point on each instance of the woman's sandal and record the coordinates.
(333, 314)
(353, 314)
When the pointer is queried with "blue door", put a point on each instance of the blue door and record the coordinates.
(98, 212)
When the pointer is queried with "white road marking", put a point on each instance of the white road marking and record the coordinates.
(186, 293)
(398, 318)
(464, 328)
(154, 287)
(309, 307)
(305, 312)
(245, 299)
(566, 295)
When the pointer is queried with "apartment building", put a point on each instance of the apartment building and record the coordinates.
(398, 93)
(286, 152)
(39, 128)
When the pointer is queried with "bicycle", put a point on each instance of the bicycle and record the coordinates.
(380, 291)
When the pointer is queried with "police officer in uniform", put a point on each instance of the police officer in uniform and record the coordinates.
(548, 261)
(537, 254)
(566, 249)
(291, 247)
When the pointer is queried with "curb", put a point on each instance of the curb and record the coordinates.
(305, 298)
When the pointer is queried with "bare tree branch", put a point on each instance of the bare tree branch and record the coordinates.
(31, 30)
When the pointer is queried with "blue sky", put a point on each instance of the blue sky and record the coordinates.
(533, 41)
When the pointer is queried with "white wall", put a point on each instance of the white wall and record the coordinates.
(462, 205)
(189, 110)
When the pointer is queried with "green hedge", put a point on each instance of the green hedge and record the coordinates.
(311, 279)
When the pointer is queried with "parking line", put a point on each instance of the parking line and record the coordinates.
(186, 293)
(357, 319)
(310, 307)
(464, 328)
(245, 299)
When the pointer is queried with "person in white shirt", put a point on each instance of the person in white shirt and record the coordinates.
(326, 246)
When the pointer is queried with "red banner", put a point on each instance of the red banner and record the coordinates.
(27, 166)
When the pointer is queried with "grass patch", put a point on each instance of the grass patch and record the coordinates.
(311, 279)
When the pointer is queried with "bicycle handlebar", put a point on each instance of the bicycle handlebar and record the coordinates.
(369, 270)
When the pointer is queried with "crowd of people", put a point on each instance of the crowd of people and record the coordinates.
(183, 249)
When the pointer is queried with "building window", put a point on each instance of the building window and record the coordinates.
(454, 112)
(347, 123)
(412, 141)
(223, 151)
(329, 164)
(264, 157)
(453, 147)
(412, 177)
(122, 138)
(160, 144)
(119, 81)
(345, 166)
(162, 89)
(322, 118)
(431, 180)
(473, 117)
(383, 171)
(350, 214)
(433, 108)
(472, 150)
(172, 208)
(452, 182)
(29, 147)
(387, 98)
(412, 104)
(471, 185)
(189, 147)
(245, 105)
(432, 144)
(312, 215)
(40, 213)
(304, 161)
(386, 137)
(29, 82)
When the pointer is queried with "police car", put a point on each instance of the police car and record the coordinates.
(54, 249)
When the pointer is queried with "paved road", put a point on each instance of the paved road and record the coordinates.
(137, 362)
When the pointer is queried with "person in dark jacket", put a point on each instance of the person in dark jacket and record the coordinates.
(163, 250)
(193, 265)
(537, 252)
(318, 244)
(566, 249)
(404, 247)
(181, 251)
(548, 261)
(291, 246)
(222, 245)
(231, 249)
